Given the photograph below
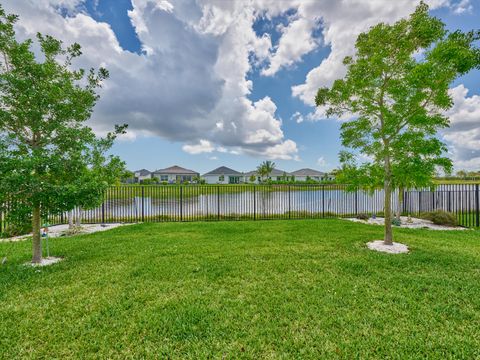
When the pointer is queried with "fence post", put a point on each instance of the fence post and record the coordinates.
(433, 198)
(419, 201)
(254, 203)
(477, 206)
(289, 204)
(103, 209)
(218, 202)
(356, 201)
(143, 203)
(181, 202)
(323, 201)
(449, 201)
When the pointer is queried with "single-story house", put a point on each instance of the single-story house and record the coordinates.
(309, 174)
(223, 175)
(275, 175)
(175, 174)
(141, 175)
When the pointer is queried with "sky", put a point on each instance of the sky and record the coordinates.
(207, 83)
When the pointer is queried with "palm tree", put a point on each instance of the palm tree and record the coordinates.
(265, 169)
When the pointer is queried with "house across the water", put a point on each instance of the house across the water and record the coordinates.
(141, 175)
(309, 174)
(275, 175)
(175, 174)
(223, 175)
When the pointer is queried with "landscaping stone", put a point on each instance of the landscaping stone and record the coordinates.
(409, 223)
(62, 230)
(395, 248)
(46, 261)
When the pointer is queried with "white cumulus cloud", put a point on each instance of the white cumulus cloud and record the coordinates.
(191, 83)
(463, 136)
(203, 146)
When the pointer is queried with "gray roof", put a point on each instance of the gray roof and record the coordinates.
(307, 172)
(275, 172)
(174, 170)
(223, 170)
(142, 172)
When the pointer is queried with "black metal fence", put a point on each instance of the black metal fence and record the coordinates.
(155, 203)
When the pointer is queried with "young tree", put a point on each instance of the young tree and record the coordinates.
(462, 173)
(396, 90)
(50, 160)
(265, 169)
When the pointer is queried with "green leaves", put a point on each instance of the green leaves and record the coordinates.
(265, 169)
(48, 155)
(397, 89)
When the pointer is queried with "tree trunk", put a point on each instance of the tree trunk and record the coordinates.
(400, 202)
(388, 239)
(70, 219)
(79, 216)
(36, 243)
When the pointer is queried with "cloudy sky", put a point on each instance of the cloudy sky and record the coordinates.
(205, 83)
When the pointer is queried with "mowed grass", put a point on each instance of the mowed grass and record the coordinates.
(274, 289)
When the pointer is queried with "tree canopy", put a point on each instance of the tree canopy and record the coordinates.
(50, 159)
(265, 169)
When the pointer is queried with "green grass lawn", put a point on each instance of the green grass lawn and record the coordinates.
(272, 289)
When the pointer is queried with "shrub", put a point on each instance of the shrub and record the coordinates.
(396, 221)
(363, 217)
(17, 222)
(151, 181)
(440, 217)
(17, 228)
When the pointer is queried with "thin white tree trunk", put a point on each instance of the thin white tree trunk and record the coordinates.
(70, 219)
(79, 216)
(400, 202)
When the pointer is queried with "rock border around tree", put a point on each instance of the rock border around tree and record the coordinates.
(45, 261)
(395, 248)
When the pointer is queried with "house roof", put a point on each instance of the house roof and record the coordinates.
(175, 170)
(275, 172)
(142, 172)
(307, 172)
(223, 170)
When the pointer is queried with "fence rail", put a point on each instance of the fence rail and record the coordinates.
(156, 203)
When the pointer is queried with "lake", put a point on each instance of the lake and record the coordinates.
(264, 203)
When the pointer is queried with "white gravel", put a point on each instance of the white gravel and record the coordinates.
(46, 261)
(62, 230)
(395, 248)
(412, 223)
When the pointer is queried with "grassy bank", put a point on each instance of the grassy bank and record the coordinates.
(274, 289)
(186, 191)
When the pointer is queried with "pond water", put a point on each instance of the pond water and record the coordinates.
(271, 204)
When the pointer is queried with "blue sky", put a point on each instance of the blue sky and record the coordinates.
(205, 117)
